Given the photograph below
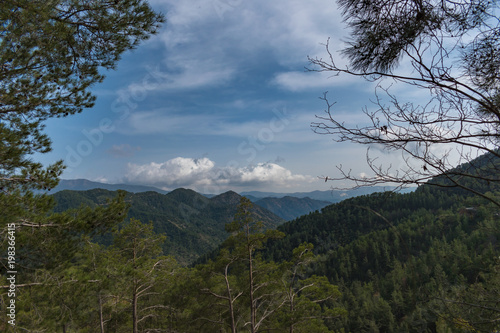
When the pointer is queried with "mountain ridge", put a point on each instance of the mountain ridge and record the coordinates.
(194, 224)
(332, 196)
(288, 206)
(85, 184)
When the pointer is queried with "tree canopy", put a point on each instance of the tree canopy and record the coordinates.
(51, 53)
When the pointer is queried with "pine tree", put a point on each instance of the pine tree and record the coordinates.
(51, 54)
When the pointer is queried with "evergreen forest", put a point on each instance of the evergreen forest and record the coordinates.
(114, 261)
(425, 261)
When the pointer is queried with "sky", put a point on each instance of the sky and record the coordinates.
(220, 99)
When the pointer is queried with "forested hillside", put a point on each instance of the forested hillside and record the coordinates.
(289, 207)
(341, 223)
(420, 262)
(425, 261)
(193, 223)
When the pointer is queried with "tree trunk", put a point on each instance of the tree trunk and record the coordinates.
(252, 305)
(230, 300)
(134, 312)
(101, 319)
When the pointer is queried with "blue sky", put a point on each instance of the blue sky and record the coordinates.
(219, 100)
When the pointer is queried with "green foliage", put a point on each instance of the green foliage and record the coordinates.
(51, 53)
(263, 295)
(342, 223)
(422, 260)
(118, 288)
(194, 224)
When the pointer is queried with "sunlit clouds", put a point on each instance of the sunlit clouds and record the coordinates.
(202, 173)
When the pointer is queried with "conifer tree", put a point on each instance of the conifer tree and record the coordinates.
(248, 236)
(51, 54)
(142, 273)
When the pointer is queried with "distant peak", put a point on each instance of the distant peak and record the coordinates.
(230, 193)
(227, 197)
(184, 193)
(182, 190)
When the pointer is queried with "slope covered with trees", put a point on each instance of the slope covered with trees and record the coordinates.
(416, 262)
(289, 207)
(131, 285)
(193, 223)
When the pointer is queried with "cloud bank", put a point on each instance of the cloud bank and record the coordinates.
(203, 174)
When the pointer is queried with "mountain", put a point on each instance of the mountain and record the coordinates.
(84, 185)
(332, 196)
(193, 223)
(423, 261)
(289, 207)
(341, 223)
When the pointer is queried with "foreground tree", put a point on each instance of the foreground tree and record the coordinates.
(142, 274)
(51, 53)
(243, 292)
(248, 236)
(49, 291)
(453, 50)
(309, 300)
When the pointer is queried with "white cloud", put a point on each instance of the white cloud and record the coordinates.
(179, 171)
(202, 172)
(269, 172)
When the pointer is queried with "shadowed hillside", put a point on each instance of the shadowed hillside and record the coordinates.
(193, 223)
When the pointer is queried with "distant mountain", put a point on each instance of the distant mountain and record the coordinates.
(193, 223)
(332, 196)
(84, 185)
(290, 208)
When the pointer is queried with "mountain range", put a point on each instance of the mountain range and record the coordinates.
(425, 261)
(331, 196)
(288, 206)
(193, 223)
(84, 185)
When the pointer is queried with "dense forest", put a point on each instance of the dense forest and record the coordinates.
(426, 261)
(102, 261)
(194, 224)
(131, 285)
